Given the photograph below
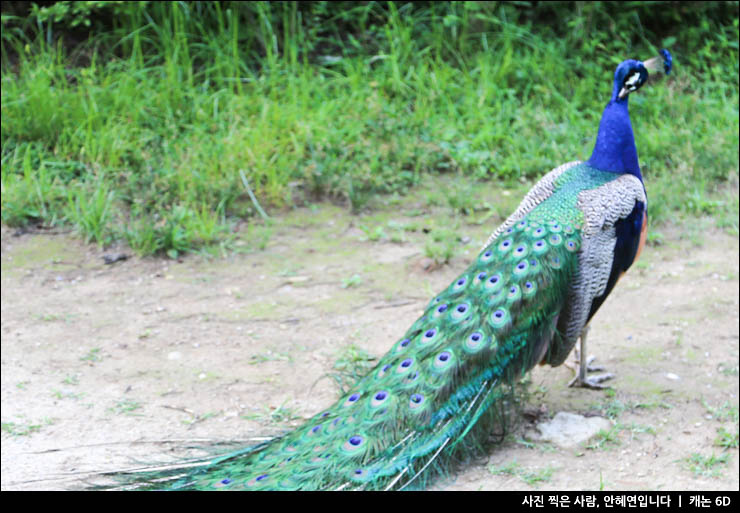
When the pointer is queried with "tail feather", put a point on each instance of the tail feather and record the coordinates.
(411, 415)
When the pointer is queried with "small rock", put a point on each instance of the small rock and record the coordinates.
(112, 258)
(174, 355)
(672, 377)
(568, 430)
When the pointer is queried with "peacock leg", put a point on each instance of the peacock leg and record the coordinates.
(584, 366)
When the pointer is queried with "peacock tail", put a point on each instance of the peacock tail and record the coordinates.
(524, 300)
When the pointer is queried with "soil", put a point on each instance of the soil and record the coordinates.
(105, 366)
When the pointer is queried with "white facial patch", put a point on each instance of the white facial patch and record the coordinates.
(632, 80)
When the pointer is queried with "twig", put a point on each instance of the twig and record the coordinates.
(166, 441)
(394, 305)
(251, 195)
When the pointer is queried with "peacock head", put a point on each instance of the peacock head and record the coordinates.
(631, 74)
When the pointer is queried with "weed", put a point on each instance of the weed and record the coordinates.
(729, 370)
(91, 213)
(373, 234)
(71, 380)
(269, 356)
(58, 394)
(125, 407)
(636, 429)
(25, 429)
(723, 412)
(272, 415)
(199, 418)
(726, 439)
(352, 363)
(531, 477)
(605, 439)
(441, 245)
(93, 355)
(706, 465)
(543, 447)
(613, 408)
(352, 281)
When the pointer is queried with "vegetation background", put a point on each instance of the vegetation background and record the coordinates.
(133, 120)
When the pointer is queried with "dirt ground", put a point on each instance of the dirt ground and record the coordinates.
(105, 366)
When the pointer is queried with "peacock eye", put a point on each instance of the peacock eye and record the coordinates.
(633, 80)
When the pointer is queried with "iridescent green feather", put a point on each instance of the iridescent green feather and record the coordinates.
(488, 327)
(440, 384)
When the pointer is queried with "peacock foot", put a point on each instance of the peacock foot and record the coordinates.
(581, 379)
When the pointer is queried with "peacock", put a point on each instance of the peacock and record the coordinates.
(527, 298)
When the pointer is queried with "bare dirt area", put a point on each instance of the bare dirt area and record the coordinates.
(106, 366)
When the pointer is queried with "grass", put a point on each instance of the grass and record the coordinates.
(93, 355)
(606, 439)
(529, 476)
(614, 407)
(139, 132)
(351, 364)
(722, 412)
(71, 380)
(442, 244)
(707, 466)
(273, 416)
(58, 394)
(726, 439)
(125, 407)
(353, 281)
(269, 356)
(26, 428)
(542, 446)
(609, 439)
(198, 418)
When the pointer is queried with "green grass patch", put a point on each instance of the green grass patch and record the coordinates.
(532, 477)
(93, 355)
(132, 121)
(125, 407)
(273, 416)
(351, 364)
(25, 428)
(708, 466)
(606, 439)
(726, 439)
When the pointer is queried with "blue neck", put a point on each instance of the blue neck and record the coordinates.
(615, 149)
